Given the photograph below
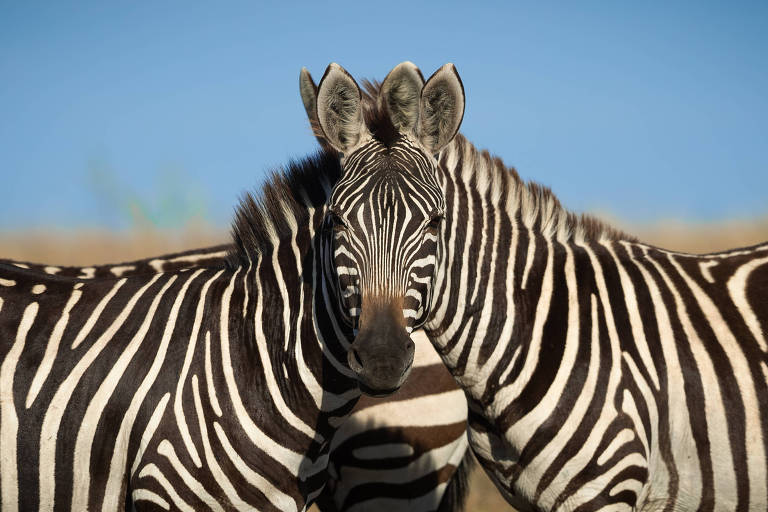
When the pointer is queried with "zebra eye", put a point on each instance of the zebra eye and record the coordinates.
(336, 221)
(434, 223)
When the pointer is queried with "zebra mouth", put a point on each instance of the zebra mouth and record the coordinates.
(376, 393)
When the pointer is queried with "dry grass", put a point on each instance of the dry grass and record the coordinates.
(701, 237)
(97, 247)
(92, 247)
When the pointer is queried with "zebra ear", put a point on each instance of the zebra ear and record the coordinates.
(340, 110)
(400, 92)
(308, 90)
(441, 108)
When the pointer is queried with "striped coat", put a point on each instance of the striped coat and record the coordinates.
(214, 386)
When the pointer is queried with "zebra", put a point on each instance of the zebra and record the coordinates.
(91, 363)
(409, 450)
(601, 373)
(383, 456)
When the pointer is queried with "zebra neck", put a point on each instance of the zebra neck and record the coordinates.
(502, 250)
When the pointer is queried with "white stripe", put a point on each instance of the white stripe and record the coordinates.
(120, 270)
(528, 258)
(51, 349)
(152, 471)
(87, 273)
(146, 495)
(9, 421)
(424, 353)
(523, 430)
(421, 411)
(159, 264)
(149, 431)
(737, 287)
(724, 477)
(209, 376)
(86, 329)
(630, 484)
(704, 266)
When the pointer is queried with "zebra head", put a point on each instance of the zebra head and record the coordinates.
(384, 214)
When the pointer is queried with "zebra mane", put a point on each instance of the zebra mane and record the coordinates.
(283, 205)
(534, 204)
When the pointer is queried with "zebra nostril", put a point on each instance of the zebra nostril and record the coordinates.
(353, 359)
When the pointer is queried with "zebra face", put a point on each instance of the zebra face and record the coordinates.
(384, 215)
(384, 219)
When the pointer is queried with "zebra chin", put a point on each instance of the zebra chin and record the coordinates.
(381, 355)
(382, 379)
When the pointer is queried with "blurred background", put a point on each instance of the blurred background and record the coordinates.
(131, 129)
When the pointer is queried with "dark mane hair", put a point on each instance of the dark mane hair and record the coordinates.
(265, 217)
(376, 114)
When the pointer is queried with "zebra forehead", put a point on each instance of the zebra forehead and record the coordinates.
(389, 174)
(389, 195)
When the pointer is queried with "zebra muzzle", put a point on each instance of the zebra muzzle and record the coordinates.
(381, 356)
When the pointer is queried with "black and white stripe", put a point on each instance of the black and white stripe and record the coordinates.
(391, 203)
(199, 387)
(405, 452)
(601, 373)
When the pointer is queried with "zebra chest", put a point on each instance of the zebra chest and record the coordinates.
(497, 460)
(550, 473)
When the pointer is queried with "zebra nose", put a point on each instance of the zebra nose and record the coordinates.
(381, 365)
(353, 359)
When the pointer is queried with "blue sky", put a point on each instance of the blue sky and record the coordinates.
(647, 111)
